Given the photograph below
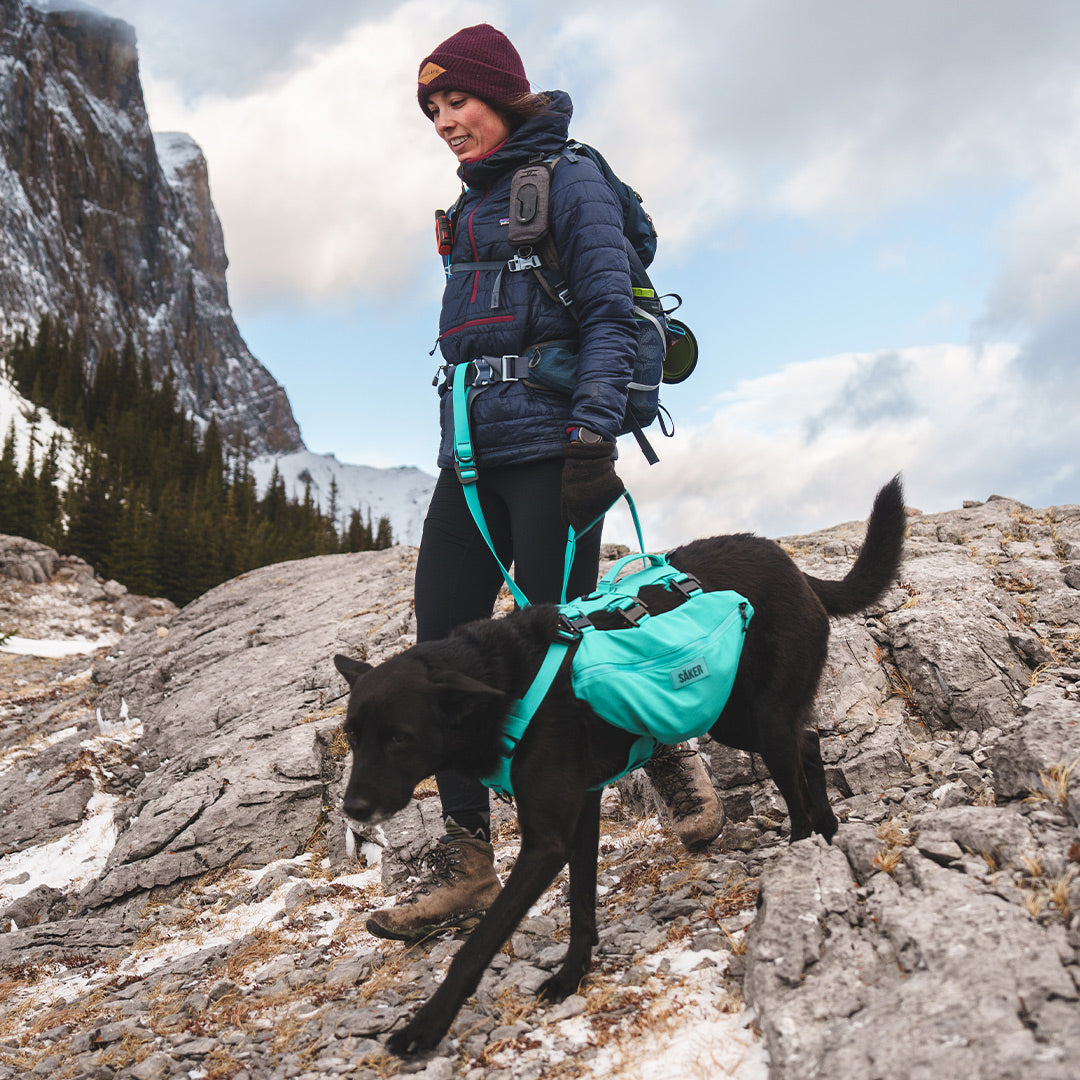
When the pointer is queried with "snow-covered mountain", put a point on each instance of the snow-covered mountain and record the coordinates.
(400, 494)
(110, 225)
(105, 224)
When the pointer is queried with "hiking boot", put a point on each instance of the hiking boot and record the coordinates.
(679, 778)
(462, 886)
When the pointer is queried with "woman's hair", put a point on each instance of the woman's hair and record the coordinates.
(523, 108)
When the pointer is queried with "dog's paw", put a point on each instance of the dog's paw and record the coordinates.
(415, 1037)
(559, 986)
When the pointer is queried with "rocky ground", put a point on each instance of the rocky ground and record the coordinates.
(177, 897)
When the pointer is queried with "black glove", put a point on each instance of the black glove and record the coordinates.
(589, 482)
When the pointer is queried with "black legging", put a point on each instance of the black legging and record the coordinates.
(457, 579)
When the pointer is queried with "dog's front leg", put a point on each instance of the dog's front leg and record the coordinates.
(535, 871)
(583, 856)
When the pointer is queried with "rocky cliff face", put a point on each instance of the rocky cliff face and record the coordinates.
(180, 896)
(103, 223)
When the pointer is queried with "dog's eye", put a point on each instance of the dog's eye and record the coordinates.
(397, 739)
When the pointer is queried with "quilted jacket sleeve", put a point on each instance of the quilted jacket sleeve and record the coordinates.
(587, 229)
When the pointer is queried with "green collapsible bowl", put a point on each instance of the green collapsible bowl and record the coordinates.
(682, 355)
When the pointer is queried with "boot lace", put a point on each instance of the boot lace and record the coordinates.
(442, 862)
(669, 776)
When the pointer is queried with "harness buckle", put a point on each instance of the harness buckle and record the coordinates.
(523, 262)
(688, 585)
(634, 613)
(570, 627)
(485, 372)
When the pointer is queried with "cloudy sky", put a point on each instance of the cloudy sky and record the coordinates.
(870, 209)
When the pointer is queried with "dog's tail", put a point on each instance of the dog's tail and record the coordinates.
(878, 561)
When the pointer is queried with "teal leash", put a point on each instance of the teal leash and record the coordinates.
(517, 720)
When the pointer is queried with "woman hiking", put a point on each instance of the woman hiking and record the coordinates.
(544, 459)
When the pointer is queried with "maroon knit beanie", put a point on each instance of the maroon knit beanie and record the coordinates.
(479, 60)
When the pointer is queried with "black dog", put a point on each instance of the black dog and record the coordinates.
(439, 705)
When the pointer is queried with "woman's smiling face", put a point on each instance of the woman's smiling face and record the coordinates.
(469, 126)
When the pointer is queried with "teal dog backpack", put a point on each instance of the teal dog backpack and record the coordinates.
(663, 677)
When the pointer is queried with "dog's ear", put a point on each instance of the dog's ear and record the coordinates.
(351, 669)
(462, 695)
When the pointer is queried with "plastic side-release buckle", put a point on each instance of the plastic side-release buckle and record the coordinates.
(571, 625)
(634, 613)
(688, 585)
(523, 262)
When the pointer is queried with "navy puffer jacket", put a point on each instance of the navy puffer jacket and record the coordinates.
(499, 313)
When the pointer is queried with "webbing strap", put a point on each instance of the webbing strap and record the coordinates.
(465, 465)
(512, 729)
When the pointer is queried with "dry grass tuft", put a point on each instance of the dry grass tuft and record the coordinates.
(1054, 784)
(740, 896)
(895, 832)
(339, 745)
(427, 788)
(896, 836)
(1034, 902)
(900, 686)
(888, 859)
(1058, 894)
(259, 947)
(1016, 583)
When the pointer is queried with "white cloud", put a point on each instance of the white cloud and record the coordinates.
(326, 175)
(800, 449)
(326, 180)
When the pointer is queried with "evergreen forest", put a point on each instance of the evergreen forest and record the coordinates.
(162, 507)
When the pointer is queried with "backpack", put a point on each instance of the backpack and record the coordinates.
(666, 349)
(664, 678)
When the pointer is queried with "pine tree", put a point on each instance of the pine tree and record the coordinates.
(383, 536)
(51, 520)
(9, 484)
(92, 513)
(28, 501)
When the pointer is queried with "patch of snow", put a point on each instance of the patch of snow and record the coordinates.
(68, 863)
(176, 150)
(125, 729)
(57, 647)
(34, 426)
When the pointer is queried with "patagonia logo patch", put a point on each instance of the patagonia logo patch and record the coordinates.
(504, 221)
(431, 71)
(689, 673)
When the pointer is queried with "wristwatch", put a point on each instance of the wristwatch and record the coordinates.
(584, 435)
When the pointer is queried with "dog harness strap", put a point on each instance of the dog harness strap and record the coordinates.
(465, 466)
(521, 712)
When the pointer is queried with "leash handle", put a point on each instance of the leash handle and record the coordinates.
(572, 539)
